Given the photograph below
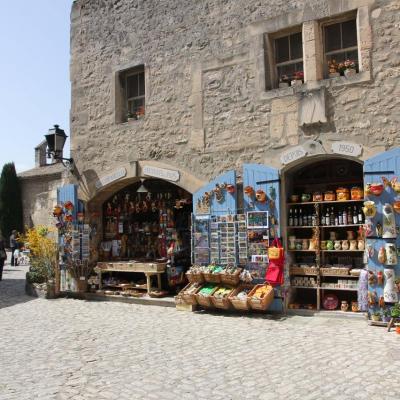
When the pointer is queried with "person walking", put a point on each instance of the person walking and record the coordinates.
(13, 246)
(3, 255)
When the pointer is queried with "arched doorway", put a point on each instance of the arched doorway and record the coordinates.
(323, 235)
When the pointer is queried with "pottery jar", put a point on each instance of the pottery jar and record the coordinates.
(389, 222)
(337, 245)
(342, 194)
(353, 245)
(305, 197)
(304, 244)
(369, 209)
(298, 244)
(329, 196)
(376, 188)
(333, 235)
(323, 244)
(317, 196)
(294, 198)
(354, 306)
(356, 193)
(344, 306)
(329, 245)
(350, 235)
(292, 242)
(391, 254)
(396, 206)
(345, 244)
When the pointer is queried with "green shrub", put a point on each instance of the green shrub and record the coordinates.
(38, 272)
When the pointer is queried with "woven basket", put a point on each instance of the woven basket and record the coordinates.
(205, 301)
(222, 303)
(212, 278)
(263, 303)
(334, 271)
(231, 279)
(239, 304)
(188, 298)
(195, 278)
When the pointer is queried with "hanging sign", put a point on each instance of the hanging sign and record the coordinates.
(105, 180)
(162, 173)
(347, 148)
(293, 154)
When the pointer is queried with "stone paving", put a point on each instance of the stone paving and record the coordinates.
(72, 349)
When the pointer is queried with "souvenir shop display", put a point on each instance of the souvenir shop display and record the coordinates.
(258, 235)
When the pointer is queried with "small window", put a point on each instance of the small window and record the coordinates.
(340, 46)
(135, 93)
(289, 58)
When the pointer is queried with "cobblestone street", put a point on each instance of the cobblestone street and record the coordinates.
(72, 349)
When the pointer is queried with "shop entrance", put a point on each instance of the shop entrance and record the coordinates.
(146, 229)
(324, 235)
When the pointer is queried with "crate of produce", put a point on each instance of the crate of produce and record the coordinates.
(220, 297)
(261, 297)
(203, 296)
(231, 276)
(195, 274)
(212, 273)
(334, 271)
(188, 293)
(239, 297)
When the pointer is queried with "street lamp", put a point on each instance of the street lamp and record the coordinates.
(55, 143)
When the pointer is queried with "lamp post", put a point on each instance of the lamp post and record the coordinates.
(55, 143)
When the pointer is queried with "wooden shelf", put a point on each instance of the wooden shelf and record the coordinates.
(306, 251)
(323, 226)
(304, 287)
(339, 276)
(342, 251)
(347, 289)
(324, 202)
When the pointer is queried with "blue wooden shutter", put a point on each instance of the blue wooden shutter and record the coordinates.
(386, 164)
(267, 179)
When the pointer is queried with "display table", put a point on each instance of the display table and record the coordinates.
(148, 268)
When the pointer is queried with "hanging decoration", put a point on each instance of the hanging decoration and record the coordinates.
(379, 276)
(375, 189)
(230, 188)
(261, 196)
(369, 209)
(389, 222)
(249, 191)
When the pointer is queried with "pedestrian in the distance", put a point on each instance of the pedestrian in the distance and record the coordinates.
(3, 255)
(13, 246)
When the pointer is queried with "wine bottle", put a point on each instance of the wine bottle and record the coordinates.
(332, 217)
(355, 215)
(360, 216)
(295, 219)
(291, 217)
(309, 219)
(340, 218)
(327, 216)
(349, 216)
(344, 217)
(301, 217)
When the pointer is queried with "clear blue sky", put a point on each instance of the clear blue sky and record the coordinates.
(34, 75)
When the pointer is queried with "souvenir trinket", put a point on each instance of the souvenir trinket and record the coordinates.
(356, 193)
(378, 230)
(329, 195)
(272, 193)
(360, 244)
(391, 254)
(230, 188)
(389, 291)
(338, 245)
(379, 276)
(371, 278)
(396, 206)
(294, 198)
(342, 194)
(382, 255)
(345, 245)
(354, 306)
(249, 191)
(261, 196)
(372, 298)
(353, 245)
(389, 222)
(369, 209)
(344, 305)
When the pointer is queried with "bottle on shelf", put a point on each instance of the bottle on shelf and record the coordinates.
(300, 223)
(309, 219)
(332, 217)
(291, 217)
(349, 216)
(360, 216)
(314, 221)
(326, 222)
(344, 217)
(355, 215)
(340, 218)
(295, 219)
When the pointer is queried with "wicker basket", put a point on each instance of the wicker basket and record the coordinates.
(205, 301)
(188, 298)
(195, 278)
(231, 279)
(263, 303)
(222, 303)
(303, 271)
(334, 271)
(239, 304)
(212, 278)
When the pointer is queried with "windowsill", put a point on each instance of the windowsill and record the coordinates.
(361, 77)
(131, 121)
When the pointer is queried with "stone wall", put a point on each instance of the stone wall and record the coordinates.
(204, 110)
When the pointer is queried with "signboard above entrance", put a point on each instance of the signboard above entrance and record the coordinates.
(347, 148)
(105, 180)
(293, 154)
(162, 173)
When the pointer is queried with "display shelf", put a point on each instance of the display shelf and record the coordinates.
(342, 251)
(323, 226)
(305, 251)
(324, 202)
(304, 287)
(347, 289)
(339, 276)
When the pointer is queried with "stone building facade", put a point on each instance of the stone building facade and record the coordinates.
(212, 100)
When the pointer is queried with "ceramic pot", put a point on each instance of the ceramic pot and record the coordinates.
(356, 193)
(342, 194)
(329, 196)
(353, 245)
(299, 244)
(396, 187)
(396, 206)
(249, 191)
(369, 209)
(376, 188)
(333, 235)
(304, 245)
(329, 245)
(345, 245)
(294, 198)
(344, 306)
(317, 196)
(337, 245)
(305, 197)
(389, 222)
(323, 245)
(375, 318)
(391, 254)
(382, 255)
(389, 291)
(292, 242)
(261, 196)
(354, 306)
(350, 235)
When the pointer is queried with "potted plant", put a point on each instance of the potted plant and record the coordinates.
(333, 69)
(395, 311)
(298, 78)
(130, 116)
(284, 81)
(349, 67)
(376, 316)
(80, 271)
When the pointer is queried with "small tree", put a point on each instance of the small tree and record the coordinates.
(10, 201)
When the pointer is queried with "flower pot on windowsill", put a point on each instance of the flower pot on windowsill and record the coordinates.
(349, 72)
(334, 74)
(296, 82)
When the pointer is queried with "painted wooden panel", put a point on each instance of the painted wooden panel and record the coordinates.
(254, 175)
(228, 205)
(386, 164)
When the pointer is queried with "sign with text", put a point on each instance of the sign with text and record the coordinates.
(293, 154)
(347, 148)
(162, 173)
(106, 180)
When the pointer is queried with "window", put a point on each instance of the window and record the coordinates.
(135, 92)
(340, 43)
(289, 57)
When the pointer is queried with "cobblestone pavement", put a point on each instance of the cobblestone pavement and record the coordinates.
(72, 349)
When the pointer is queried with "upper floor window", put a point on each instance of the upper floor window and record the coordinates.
(340, 46)
(289, 58)
(135, 92)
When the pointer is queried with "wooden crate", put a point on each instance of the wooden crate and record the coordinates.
(205, 301)
(222, 303)
(238, 304)
(189, 298)
(264, 302)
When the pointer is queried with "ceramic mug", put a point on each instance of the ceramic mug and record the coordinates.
(292, 242)
(337, 245)
(298, 244)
